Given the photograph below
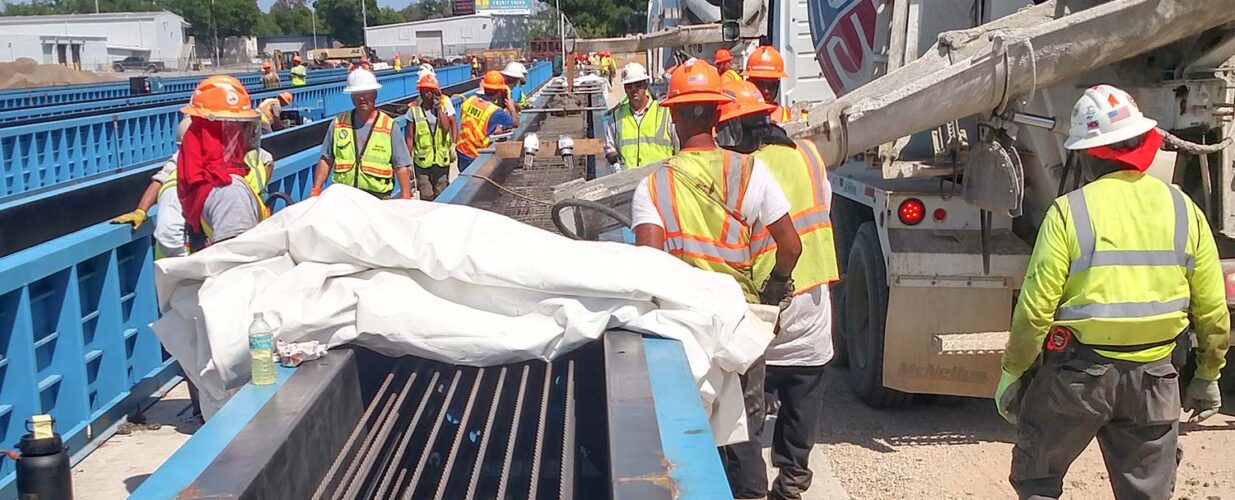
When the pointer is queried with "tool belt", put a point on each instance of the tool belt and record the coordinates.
(1062, 341)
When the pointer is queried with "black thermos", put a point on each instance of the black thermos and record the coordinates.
(43, 470)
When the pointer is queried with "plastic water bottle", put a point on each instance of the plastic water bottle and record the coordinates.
(261, 349)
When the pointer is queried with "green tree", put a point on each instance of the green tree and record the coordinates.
(599, 18)
(426, 9)
(292, 16)
(267, 26)
(343, 19)
(385, 15)
(44, 7)
(229, 17)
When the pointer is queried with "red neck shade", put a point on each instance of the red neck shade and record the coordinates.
(1139, 157)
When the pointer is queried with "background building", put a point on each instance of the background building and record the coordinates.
(94, 41)
(450, 36)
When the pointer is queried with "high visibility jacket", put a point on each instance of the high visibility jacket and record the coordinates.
(640, 142)
(398, 66)
(432, 144)
(1123, 262)
(732, 74)
(255, 178)
(474, 118)
(299, 75)
(699, 196)
(270, 108)
(801, 175)
(781, 115)
(375, 173)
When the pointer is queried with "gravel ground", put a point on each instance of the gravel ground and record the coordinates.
(961, 448)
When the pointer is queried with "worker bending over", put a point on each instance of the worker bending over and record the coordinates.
(765, 68)
(431, 137)
(712, 202)
(515, 75)
(270, 78)
(723, 60)
(797, 354)
(360, 149)
(169, 240)
(638, 131)
(299, 75)
(482, 116)
(1122, 268)
(221, 173)
(271, 110)
(397, 63)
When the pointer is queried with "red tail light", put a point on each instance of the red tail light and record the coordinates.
(911, 212)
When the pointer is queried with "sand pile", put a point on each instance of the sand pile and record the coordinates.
(24, 73)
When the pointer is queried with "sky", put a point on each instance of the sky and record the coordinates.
(396, 4)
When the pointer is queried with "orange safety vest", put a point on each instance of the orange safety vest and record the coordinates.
(701, 207)
(474, 125)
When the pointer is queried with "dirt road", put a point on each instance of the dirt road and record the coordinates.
(961, 448)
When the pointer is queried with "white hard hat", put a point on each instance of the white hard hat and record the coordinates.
(515, 69)
(1103, 116)
(634, 72)
(361, 80)
(182, 129)
(427, 68)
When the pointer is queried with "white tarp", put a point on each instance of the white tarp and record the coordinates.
(449, 283)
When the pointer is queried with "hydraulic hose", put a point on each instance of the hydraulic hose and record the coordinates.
(556, 215)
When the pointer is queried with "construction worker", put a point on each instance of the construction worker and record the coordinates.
(431, 137)
(798, 353)
(723, 60)
(765, 68)
(299, 75)
(221, 174)
(638, 132)
(476, 66)
(366, 157)
(516, 74)
(169, 240)
(712, 202)
(607, 67)
(397, 63)
(271, 110)
(482, 117)
(1123, 267)
(270, 78)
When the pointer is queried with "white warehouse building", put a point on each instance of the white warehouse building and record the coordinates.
(448, 37)
(95, 41)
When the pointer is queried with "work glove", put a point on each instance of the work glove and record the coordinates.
(777, 291)
(136, 218)
(1005, 394)
(1203, 399)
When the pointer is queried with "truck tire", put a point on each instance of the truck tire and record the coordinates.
(118, 67)
(152, 69)
(865, 314)
(840, 348)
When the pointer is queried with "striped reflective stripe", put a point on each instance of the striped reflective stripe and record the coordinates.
(708, 250)
(1121, 310)
(664, 200)
(734, 186)
(661, 138)
(803, 222)
(1091, 258)
(816, 170)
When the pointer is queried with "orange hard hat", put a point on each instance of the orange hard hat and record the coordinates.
(219, 99)
(212, 79)
(765, 62)
(396, 55)
(296, 58)
(747, 101)
(285, 97)
(493, 80)
(428, 81)
(695, 82)
(723, 56)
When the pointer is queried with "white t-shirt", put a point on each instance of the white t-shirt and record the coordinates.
(765, 202)
(805, 337)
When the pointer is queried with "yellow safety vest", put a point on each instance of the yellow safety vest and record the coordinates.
(732, 74)
(376, 173)
(299, 75)
(801, 174)
(474, 125)
(640, 142)
(1132, 249)
(255, 178)
(266, 109)
(432, 144)
(781, 115)
(398, 66)
(699, 196)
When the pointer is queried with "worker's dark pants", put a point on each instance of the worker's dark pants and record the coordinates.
(1133, 409)
(800, 392)
(431, 181)
(748, 474)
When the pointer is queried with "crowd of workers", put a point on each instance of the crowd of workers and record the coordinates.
(1122, 269)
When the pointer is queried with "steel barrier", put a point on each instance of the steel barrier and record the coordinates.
(38, 155)
(75, 311)
(62, 94)
(181, 93)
